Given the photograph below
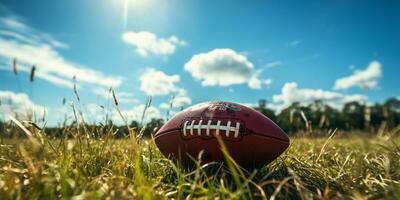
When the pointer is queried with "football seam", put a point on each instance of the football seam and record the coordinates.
(178, 131)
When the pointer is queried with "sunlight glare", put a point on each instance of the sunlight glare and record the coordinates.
(136, 6)
(126, 4)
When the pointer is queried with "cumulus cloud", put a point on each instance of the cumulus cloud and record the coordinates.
(147, 43)
(154, 82)
(220, 67)
(223, 67)
(18, 105)
(292, 93)
(255, 83)
(34, 47)
(157, 83)
(181, 99)
(367, 78)
(136, 113)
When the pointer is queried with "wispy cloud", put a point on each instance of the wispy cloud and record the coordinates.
(146, 43)
(273, 64)
(367, 78)
(13, 27)
(33, 47)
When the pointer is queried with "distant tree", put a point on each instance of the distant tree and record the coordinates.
(135, 124)
(323, 116)
(333, 118)
(262, 108)
(2, 128)
(353, 115)
(290, 118)
(391, 112)
(377, 116)
(317, 116)
(152, 127)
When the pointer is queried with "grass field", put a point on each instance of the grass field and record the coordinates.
(336, 167)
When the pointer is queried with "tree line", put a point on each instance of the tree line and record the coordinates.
(353, 116)
(316, 116)
(319, 115)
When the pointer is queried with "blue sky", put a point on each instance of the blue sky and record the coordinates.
(197, 51)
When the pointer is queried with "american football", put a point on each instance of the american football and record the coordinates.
(250, 137)
(185, 99)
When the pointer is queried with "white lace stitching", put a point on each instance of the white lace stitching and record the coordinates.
(218, 127)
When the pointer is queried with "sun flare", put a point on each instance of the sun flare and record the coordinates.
(136, 6)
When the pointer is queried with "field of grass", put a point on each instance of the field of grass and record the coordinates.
(337, 167)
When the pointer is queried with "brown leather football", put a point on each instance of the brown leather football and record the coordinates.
(250, 137)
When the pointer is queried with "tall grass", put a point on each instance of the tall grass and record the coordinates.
(84, 167)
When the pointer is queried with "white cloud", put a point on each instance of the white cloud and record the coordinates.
(254, 83)
(273, 64)
(125, 94)
(94, 113)
(220, 67)
(180, 100)
(53, 79)
(154, 82)
(126, 97)
(157, 83)
(268, 82)
(165, 106)
(102, 92)
(128, 100)
(122, 97)
(18, 105)
(13, 23)
(148, 43)
(291, 93)
(367, 78)
(223, 67)
(136, 114)
(33, 47)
